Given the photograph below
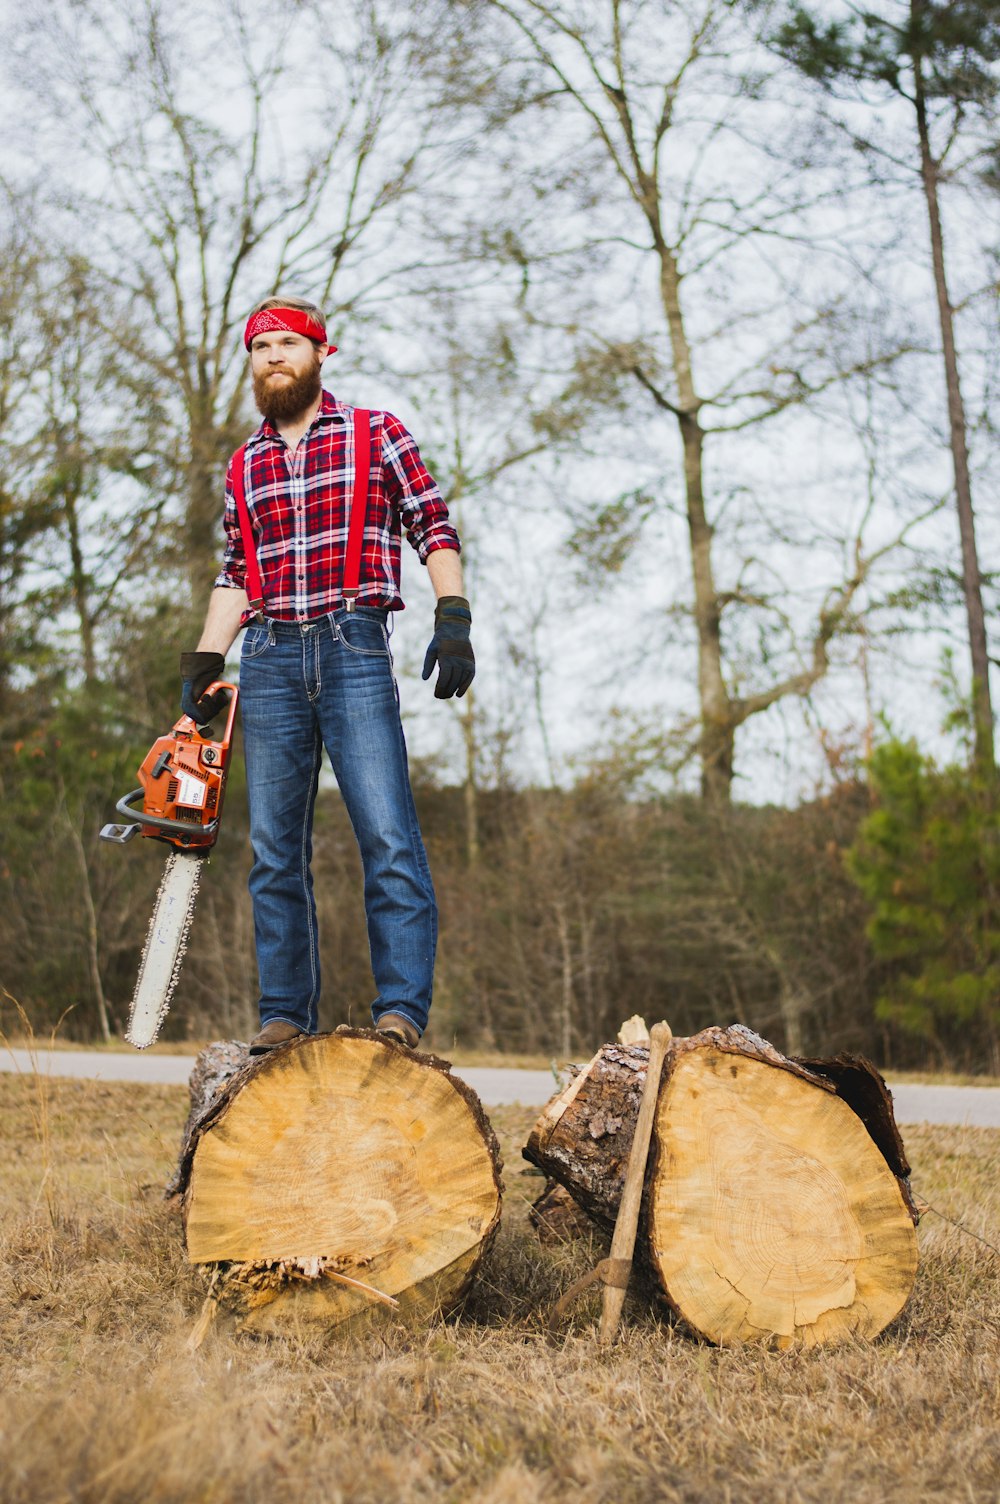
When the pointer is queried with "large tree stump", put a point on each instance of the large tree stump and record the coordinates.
(777, 1204)
(335, 1177)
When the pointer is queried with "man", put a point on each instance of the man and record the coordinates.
(316, 669)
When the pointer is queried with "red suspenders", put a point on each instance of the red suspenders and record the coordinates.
(255, 593)
(356, 526)
(359, 504)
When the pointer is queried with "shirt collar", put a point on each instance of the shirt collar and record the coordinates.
(330, 411)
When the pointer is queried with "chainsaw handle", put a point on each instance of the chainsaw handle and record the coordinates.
(234, 696)
(160, 822)
(186, 723)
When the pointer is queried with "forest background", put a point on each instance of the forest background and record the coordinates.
(693, 310)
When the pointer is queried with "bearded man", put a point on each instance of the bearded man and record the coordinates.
(315, 594)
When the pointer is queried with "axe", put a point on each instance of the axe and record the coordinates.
(623, 1242)
(614, 1271)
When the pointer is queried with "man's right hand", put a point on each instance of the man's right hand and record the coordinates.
(198, 671)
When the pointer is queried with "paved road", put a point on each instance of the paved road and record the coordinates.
(495, 1087)
(971, 1106)
(974, 1106)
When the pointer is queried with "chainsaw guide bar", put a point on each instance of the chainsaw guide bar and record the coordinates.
(165, 945)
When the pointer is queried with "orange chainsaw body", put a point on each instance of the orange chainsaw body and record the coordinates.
(182, 782)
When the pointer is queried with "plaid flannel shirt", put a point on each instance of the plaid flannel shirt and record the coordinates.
(299, 506)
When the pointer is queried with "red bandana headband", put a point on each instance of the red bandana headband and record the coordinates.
(286, 321)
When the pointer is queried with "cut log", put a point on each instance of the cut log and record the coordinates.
(335, 1177)
(777, 1204)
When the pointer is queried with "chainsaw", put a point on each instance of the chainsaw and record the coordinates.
(182, 781)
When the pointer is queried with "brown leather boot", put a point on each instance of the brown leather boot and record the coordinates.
(396, 1027)
(274, 1033)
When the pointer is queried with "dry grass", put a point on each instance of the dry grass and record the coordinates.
(104, 1402)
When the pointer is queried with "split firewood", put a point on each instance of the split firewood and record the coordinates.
(777, 1203)
(337, 1177)
(634, 1031)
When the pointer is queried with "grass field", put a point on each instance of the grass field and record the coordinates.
(103, 1400)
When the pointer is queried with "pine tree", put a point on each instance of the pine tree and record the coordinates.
(928, 861)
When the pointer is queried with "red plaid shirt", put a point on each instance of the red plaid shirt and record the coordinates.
(299, 507)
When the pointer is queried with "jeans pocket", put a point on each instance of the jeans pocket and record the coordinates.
(363, 634)
(256, 640)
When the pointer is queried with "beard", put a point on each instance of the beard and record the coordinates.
(280, 401)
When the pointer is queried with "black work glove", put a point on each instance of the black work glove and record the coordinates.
(198, 671)
(450, 648)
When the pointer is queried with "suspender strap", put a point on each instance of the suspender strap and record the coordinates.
(359, 505)
(255, 591)
(356, 526)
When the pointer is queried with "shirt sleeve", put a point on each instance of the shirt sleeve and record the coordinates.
(414, 492)
(233, 574)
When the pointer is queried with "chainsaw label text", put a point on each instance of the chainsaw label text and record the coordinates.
(191, 792)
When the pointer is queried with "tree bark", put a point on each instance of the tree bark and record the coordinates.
(334, 1179)
(777, 1205)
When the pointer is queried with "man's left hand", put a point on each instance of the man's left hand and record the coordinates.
(450, 648)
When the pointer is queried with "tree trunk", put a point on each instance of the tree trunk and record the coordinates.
(717, 729)
(792, 1005)
(470, 791)
(80, 584)
(982, 705)
(90, 912)
(205, 501)
(566, 991)
(777, 1205)
(334, 1178)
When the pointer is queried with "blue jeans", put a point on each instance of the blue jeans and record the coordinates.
(329, 683)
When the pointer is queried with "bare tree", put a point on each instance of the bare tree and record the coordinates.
(487, 427)
(209, 155)
(25, 514)
(662, 197)
(72, 423)
(90, 458)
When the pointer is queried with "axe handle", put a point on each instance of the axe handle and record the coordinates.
(623, 1241)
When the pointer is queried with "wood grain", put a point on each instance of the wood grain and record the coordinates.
(342, 1154)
